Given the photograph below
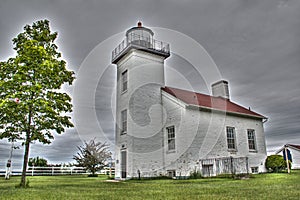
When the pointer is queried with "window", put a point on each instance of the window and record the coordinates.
(251, 139)
(171, 137)
(124, 122)
(230, 138)
(171, 173)
(124, 81)
(207, 170)
(123, 164)
(254, 170)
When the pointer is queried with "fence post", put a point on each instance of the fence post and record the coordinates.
(32, 170)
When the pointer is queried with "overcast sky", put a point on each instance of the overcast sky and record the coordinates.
(254, 43)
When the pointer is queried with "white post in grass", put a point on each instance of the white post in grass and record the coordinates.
(287, 159)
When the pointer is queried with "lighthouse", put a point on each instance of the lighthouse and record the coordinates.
(168, 131)
(139, 59)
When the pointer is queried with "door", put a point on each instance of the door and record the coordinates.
(123, 164)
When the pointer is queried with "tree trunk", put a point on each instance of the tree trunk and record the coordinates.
(25, 160)
(26, 152)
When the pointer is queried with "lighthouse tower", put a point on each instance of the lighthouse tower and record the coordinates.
(139, 113)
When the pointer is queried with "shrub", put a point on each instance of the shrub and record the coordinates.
(275, 163)
(195, 174)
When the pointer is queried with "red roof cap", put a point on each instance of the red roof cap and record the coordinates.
(139, 24)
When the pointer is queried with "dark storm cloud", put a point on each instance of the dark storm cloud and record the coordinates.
(61, 150)
(255, 44)
(62, 146)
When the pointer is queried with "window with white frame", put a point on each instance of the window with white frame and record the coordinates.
(251, 139)
(231, 138)
(254, 170)
(124, 122)
(171, 137)
(124, 81)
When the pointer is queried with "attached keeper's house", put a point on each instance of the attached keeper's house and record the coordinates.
(293, 151)
(169, 131)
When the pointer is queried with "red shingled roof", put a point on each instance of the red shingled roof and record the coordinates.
(207, 101)
(294, 146)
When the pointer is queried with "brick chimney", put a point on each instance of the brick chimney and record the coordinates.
(220, 89)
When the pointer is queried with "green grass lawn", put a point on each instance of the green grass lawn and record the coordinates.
(263, 186)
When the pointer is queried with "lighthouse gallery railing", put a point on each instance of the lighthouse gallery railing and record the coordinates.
(141, 43)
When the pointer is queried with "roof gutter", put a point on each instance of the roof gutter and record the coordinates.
(265, 119)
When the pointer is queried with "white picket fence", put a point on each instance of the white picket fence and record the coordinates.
(48, 171)
(55, 171)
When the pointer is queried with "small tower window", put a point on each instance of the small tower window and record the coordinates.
(124, 81)
(171, 137)
(124, 122)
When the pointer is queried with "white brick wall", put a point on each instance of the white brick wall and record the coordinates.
(142, 100)
(202, 135)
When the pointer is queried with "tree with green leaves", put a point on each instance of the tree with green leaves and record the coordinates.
(93, 156)
(275, 163)
(32, 106)
(40, 162)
